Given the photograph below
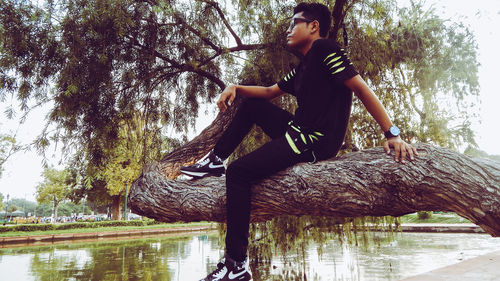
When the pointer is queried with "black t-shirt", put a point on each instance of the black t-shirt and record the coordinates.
(324, 102)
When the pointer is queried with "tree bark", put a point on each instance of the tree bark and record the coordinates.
(56, 204)
(116, 207)
(365, 183)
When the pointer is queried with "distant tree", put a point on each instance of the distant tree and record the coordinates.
(7, 148)
(475, 152)
(43, 210)
(25, 205)
(12, 208)
(55, 187)
(104, 183)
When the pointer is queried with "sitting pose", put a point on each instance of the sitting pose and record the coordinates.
(323, 84)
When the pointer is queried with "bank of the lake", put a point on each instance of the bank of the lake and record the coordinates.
(104, 232)
(440, 223)
(5, 241)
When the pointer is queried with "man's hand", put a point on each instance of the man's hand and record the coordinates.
(226, 98)
(401, 148)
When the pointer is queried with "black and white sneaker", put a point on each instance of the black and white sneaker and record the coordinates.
(210, 165)
(229, 269)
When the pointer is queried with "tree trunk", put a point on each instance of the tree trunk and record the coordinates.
(365, 183)
(56, 204)
(115, 207)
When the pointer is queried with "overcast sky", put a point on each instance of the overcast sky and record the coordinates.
(22, 171)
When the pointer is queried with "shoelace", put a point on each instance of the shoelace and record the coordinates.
(202, 162)
(218, 272)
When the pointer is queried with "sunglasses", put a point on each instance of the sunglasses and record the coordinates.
(296, 21)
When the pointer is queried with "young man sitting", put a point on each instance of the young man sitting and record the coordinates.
(323, 84)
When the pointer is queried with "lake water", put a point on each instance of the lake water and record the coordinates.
(190, 257)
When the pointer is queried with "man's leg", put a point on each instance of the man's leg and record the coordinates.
(272, 119)
(240, 176)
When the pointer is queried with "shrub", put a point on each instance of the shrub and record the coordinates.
(75, 225)
(27, 227)
(424, 215)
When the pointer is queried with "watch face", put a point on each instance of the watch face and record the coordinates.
(394, 131)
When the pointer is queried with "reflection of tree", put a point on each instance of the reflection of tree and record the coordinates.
(118, 260)
(49, 266)
(155, 259)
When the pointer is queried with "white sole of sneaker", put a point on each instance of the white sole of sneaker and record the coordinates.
(194, 174)
(200, 174)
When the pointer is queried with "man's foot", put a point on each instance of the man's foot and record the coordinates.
(211, 165)
(229, 269)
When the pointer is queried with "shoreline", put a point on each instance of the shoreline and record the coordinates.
(485, 267)
(7, 241)
(31, 239)
(442, 227)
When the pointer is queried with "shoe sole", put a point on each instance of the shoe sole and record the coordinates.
(200, 174)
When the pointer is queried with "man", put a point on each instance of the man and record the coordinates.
(323, 84)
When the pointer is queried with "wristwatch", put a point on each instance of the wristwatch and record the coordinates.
(392, 132)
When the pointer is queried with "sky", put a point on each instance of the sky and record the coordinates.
(23, 170)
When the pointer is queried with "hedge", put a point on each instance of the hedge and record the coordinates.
(74, 225)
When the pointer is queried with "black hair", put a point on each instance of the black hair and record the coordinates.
(316, 11)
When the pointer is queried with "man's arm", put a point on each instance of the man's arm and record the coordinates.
(377, 110)
(229, 94)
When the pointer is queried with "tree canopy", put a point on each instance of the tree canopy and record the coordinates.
(55, 187)
(103, 62)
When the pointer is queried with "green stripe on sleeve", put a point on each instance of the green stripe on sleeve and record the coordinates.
(295, 128)
(338, 70)
(335, 65)
(330, 55)
(303, 138)
(291, 143)
(333, 60)
(289, 75)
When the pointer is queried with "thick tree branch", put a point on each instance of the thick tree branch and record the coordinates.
(247, 47)
(207, 41)
(224, 20)
(209, 76)
(366, 183)
(190, 68)
(244, 47)
(338, 15)
(197, 69)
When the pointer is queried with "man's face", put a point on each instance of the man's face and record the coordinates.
(298, 32)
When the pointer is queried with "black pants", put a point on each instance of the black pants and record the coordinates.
(270, 158)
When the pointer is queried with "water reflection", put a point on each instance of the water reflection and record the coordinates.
(190, 257)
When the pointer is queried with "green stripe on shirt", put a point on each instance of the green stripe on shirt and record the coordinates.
(338, 70)
(330, 55)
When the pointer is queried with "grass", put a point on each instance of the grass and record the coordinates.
(435, 218)
(103, 229)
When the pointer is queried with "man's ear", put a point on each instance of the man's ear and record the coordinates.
(315, 27)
